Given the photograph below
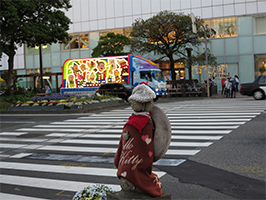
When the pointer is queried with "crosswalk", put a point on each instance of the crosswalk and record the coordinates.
(53, 161)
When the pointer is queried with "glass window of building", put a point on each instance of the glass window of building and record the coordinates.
(28, 50)
(117, 31)
(260, 24)
(84, 40)
(217, 28)
(72, 44)
(104, 33)
(230, 27)
(260, 65)
(35, 50)
(77, 41)
(206, 24)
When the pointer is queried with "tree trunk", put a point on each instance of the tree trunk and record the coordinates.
(10, 75)
(189, 63)
(172, 69)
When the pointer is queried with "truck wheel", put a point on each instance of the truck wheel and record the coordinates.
(258, 95)
(157, 97)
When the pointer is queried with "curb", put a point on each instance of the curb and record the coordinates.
(62, 110)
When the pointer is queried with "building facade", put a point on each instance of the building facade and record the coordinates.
(237, 28)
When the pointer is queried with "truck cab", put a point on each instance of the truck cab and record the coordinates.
(146, 71)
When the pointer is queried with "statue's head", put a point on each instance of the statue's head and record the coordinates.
(142, 98)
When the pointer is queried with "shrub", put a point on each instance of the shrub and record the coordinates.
(5, 105)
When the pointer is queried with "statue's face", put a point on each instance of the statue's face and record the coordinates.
(141, 107)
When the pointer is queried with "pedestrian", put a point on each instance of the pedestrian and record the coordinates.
(40, 89)
(228, 85)
(223, 85)
(237, 82)
(210, 86)
(233, 88)
(28, 88)
(47, 90)
(134, 156)
(213, 80)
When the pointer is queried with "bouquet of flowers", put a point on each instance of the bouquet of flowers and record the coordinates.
(94, 192)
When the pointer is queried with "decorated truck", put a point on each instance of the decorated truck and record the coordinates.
(84, 76)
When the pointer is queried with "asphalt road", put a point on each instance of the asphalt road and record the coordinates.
(228, 164)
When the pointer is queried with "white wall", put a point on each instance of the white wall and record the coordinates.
(93, 15)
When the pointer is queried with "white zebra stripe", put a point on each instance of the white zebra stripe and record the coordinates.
(49, 183)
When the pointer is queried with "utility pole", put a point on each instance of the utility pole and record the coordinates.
(41, 71)
(194, 29)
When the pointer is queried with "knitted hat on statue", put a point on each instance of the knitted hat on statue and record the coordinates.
(142, 93)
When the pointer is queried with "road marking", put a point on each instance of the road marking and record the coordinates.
(101, 136)
(87, 122)
(200, 132)
(18, 122)
(208, 123)
(175, 131)
(204, 127)
(104, 150)
(20, 155)
(182, 152)
(92, 171)
(6, 196)
(12, 133)
(82, 141)
(56, 135)
(49, 183)
(107, 153)
(188, 137)
(190, 144)
(169, 162)
(213, 114)
(209, 120)
(116, 142)
(61, 194)
(92, 120)
(65, 126)
(22, 139)
(177, 137)
(11, 146)
(52, 130)
(192, 127)
(211, 117)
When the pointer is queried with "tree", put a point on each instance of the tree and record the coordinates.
(31, 22)
(111, 45)
(167, 34)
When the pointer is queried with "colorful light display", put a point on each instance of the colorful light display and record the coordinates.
(91, 72)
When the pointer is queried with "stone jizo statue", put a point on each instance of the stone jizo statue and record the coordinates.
(145, 139)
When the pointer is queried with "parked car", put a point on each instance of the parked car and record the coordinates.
(121, 90)
(257, 89)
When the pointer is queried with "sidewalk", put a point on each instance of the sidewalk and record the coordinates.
(107, 105)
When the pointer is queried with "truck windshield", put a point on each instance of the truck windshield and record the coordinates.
(145, 75)
(158, 75)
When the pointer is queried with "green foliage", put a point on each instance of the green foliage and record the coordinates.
(33, 23)
(13, 95)
(167, 34)
(111, 45)
(4, 106)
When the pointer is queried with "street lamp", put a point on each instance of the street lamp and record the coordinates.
(194, 29)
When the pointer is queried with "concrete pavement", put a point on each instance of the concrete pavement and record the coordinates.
(233, 168)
